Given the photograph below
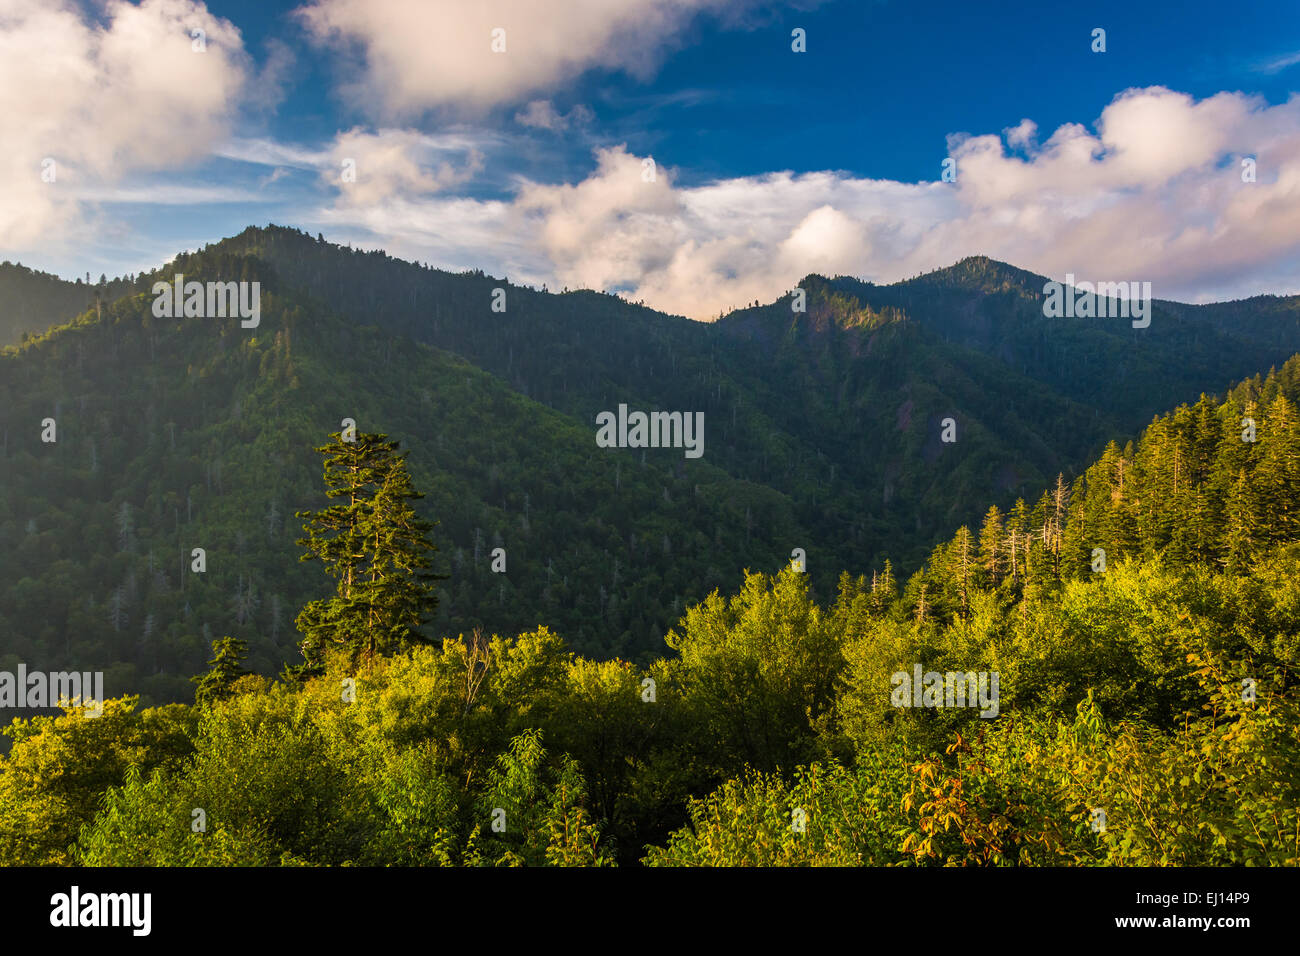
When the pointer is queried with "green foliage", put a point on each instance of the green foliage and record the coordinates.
(59, 767)
(759, 670)
(34, 301)
(223, 671)
(537, 818)
(1160, 691)
(407, 759)
(374, 546)
(183, 433)
(149, 823)
(828, 815)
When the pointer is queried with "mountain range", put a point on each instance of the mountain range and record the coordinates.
(824, 431)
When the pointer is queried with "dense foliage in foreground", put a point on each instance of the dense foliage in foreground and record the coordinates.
(823, 432)
(776, 712)
(1148, 712)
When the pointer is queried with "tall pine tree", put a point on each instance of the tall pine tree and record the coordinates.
(374, 546)
(224, 669)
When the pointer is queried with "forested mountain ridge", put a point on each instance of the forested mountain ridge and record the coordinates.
(183, 433)
(1208, 494)
(1128, 373)
(823, 432)
(1146, 711)
(31, 301)
(817, 416)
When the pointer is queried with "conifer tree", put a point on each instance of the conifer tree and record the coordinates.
(1054, 530)
(884, 589)
(374, 546)
(223, 670)
(960, 566)
(990, 546)
(1278, 474)
(1242, 534)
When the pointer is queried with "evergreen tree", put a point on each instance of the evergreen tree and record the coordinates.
(1242, 534)
(1015, 525)
(374, 546)
(1278, 474)
(884, 589)
(398, 592)
(961, 565)
(992, 559)
(223, 670)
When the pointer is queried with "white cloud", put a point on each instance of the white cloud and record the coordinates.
(1153, 193)
(1022, 135)
(267, 152)
(395, 162)
(414, 56)
(541, 114)
(170, 194)
(277, 174)
(447, 232)
(102, 98)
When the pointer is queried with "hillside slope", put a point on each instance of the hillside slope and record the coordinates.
(823, 431)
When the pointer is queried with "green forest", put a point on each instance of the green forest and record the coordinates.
(1142, 619)
(822, 433)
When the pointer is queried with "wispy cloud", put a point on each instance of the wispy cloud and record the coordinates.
(1278, 63)
(542, 114)
(165, 194)
(268, 152)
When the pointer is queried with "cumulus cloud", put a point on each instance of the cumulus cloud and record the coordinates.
(1156, 192)
(414, 56)
(1022, 135)
(1153, 191)
(448, 232)
(84, 102)
(375, 166)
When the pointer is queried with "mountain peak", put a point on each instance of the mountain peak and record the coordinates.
(982, 274)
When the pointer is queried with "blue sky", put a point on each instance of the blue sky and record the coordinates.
(769, 163)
